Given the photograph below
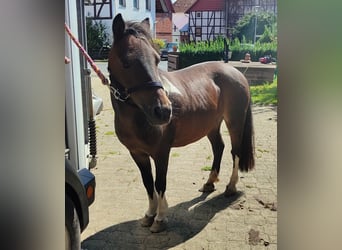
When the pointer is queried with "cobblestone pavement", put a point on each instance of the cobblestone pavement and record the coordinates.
(196, 221)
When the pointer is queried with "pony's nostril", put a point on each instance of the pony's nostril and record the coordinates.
(158, 112)
(167, 113)
(162, 113)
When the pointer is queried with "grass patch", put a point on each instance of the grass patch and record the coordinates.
(206, 168)
(113, 153)
(109, 133)
(265, 94)
(175, 155)
(263, 150)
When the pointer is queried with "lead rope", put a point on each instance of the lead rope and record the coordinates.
(86, 55)
(91, 122)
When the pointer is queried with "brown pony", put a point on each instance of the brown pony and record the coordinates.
(157, 110)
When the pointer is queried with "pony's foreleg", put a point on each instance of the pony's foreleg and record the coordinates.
(144, 164)
(217, 145)
(160, 221)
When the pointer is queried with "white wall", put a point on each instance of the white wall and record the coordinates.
(129, 13)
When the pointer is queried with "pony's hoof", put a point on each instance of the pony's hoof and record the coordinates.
(147, 221)
(230, 191)
(158, 226)
(207, 188)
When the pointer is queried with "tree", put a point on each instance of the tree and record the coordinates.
(269, 35)
(97, 37)
(246, 25)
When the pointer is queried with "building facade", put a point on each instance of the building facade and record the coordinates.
(206, 20)
(164, 11)
(210, 19)
(106, 10)
(180, 20)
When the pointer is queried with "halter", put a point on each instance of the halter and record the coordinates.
(121, 93)
(118, 90)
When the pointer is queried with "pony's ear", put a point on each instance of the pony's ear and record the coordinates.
(146, 23)
(118, 27)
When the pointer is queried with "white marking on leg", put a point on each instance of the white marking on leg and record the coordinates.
(162, 208)
(152, 205)
(234, 178)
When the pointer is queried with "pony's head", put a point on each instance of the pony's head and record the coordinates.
(133, 68)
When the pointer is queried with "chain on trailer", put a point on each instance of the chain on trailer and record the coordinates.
(91, 120)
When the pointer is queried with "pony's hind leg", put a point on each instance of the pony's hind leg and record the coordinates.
(235, 127)
(217, 145)
(231, 187)
(144, 165)
(240, 126)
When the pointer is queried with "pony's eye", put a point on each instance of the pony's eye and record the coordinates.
(131, 32)
(125, 62)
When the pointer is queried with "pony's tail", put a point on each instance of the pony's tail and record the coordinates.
(246, 161)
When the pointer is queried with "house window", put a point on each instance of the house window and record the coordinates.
(122, 3)
(198, 31)
(198, 14)
(136, 4)
(148, 4)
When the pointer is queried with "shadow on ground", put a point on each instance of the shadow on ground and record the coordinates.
(186, 220)
(264, 109)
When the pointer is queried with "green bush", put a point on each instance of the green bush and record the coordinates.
(193, 53)
(97, 39)
(256, 50)
(159, 43)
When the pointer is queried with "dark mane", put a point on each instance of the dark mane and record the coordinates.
(138, 30)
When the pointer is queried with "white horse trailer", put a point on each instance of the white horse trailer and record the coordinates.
(81, 106)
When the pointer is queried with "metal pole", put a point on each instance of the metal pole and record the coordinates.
(226, 50)
(255, 25)
(256, 21)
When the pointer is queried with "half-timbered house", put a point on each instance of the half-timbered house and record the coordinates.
(210, 19)
(106, 10)
(206, 20)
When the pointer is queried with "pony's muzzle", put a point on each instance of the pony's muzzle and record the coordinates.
(162, 114)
